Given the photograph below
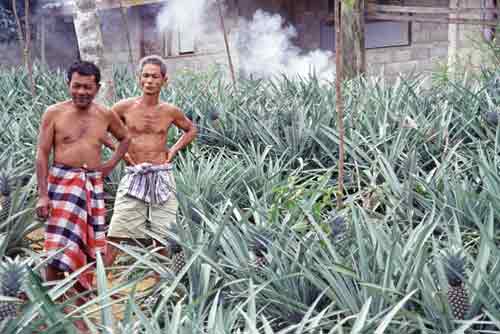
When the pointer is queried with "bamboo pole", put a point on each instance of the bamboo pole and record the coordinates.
(226, 42)
(339, 100)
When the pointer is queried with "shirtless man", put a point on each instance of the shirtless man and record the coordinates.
(70, 193)
(146, 198)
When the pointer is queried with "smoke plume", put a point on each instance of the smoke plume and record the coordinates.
(264, 44)
(266, 49)
(187, 15)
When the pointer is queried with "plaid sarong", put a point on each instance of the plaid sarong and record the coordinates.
(77, 219)
(149, 183)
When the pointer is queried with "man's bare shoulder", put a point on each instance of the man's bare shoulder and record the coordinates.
(55, 109)
(125, 104)
(101, 110)
(169, 108)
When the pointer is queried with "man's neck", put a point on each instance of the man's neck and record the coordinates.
(150, 100)
(82, 110)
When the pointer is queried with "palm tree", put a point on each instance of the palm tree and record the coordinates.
(91, 46)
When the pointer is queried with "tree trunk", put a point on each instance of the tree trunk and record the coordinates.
(91, 46)
(353, 26)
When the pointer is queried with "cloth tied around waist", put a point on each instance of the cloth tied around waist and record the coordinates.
(149, 183)
(77, 219)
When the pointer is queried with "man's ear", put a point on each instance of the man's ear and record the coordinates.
(99, 86)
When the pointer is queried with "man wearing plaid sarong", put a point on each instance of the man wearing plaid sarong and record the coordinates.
(71, 191)
(76, 223)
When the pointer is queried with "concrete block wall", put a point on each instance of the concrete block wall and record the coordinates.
(427, 50)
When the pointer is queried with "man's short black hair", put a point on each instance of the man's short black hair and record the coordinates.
(84, 68)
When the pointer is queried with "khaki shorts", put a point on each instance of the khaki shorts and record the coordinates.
(130, 215)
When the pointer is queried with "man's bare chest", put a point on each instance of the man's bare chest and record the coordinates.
(147, 123)
(68, 131)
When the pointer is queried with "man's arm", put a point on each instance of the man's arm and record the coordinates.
(181, 121)
(44, 147)
(119, 131)
(109, 143)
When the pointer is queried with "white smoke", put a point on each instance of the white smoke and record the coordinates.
(266, 49)
(264, 44)
(187, 14)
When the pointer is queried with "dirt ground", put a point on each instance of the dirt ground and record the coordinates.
(36, 237)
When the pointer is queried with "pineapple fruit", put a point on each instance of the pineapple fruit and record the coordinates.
(12, 274)
(5, 196)
(178, 258)
(260, 248)
(458, 298)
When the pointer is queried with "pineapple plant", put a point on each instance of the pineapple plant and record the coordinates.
(5, 200)
(12, 274)
(458, 298)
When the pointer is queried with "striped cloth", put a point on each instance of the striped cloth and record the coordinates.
(149, 183)
(77, 219)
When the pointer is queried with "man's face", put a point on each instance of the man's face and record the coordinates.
(151, 80)
(83, 89)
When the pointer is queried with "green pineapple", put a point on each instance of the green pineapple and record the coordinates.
(12, 273)
(5, 200)
(458, 298)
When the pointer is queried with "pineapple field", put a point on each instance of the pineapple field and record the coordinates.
(262, 245)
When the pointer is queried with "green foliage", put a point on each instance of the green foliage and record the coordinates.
(422, 180)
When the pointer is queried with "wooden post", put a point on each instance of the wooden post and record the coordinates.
(353, 34)
(226, 42)
(27, 46)
(43, 36)
(453, 39)
(339, 101)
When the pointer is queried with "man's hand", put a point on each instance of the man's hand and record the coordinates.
(128, 159)
(170, 156)
(43, 208)
(105, 169)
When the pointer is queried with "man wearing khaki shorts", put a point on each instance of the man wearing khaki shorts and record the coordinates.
(146, 197)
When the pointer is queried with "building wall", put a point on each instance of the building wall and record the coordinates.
(209, 48)
(427, 50)
(428, 42)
